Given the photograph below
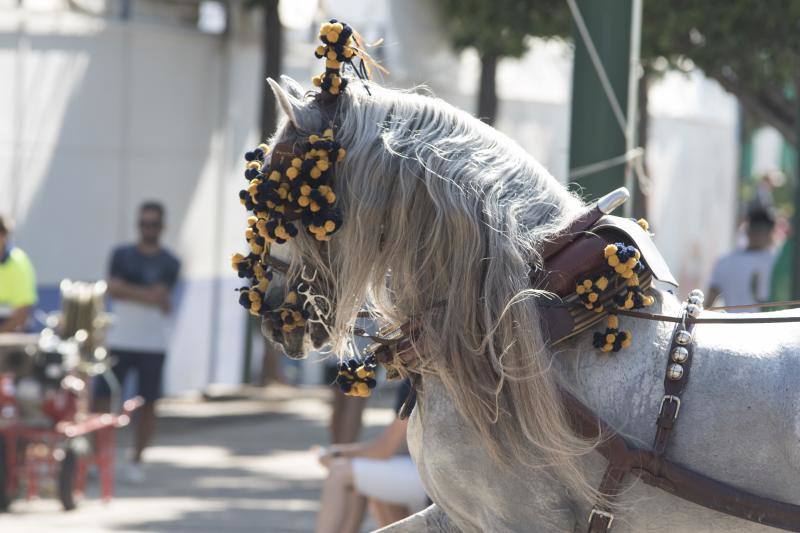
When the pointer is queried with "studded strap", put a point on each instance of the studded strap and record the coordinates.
(679, 365)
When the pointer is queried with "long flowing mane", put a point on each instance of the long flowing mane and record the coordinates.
(439, 208)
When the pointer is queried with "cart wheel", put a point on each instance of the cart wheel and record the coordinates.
(5, 496)
(66, 479)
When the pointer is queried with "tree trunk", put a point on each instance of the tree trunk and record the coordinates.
(273, 51)
(487, 92)
(639, 197)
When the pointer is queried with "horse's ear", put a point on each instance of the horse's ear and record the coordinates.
(288, 103)
(292, 87)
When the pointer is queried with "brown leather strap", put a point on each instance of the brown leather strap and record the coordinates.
(679, 366)
(671, 477)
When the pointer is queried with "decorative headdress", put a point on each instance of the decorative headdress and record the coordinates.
(295, 187)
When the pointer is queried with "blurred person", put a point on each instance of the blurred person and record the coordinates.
(142, 277)
(17, 283)
(766, 185)
(380, 471)
(743, 277)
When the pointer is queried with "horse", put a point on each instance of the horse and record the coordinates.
(444, 221)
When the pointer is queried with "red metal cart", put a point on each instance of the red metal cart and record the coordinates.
(48, 436)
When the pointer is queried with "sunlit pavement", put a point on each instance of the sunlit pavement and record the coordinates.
(239, 465)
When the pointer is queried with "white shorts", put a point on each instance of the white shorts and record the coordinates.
(394, 480)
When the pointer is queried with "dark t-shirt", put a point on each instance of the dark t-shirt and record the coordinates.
(130, 264)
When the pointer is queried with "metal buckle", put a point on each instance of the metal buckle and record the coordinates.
(603, 514)
(672, 398)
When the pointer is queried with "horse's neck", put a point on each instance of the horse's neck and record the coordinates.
(631, 377)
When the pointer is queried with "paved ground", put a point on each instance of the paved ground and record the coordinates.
(232, 466)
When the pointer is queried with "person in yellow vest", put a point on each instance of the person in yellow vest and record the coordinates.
(17, 283)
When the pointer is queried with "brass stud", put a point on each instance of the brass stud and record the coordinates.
(680, 354)
(683, 337)
(675, 371)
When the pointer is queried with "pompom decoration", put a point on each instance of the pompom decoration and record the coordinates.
(357, 377)
(625, 265)
(338, 47)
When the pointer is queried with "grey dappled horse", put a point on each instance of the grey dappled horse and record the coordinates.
(439, 207)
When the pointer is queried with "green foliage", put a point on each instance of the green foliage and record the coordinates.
(500, 27)
(753, 41)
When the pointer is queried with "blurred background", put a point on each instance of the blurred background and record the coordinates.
(107, 103)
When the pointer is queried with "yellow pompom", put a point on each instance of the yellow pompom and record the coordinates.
(305, 190)
(331, 197)
(602, 283)
(362, 372)
(610, 250)
(633, 281)
(627, 342)
(630, 263)
(620, 268)
(334, 90)
(643, 224)
(317, 81)
(315, 173)
(580, 289)
(332, 64)
(314, 207)
(325, 28)
(613, 261)
(592, 297)
(331, 55)
(320, 50)
(628, 304)
(336, 81)
(341, 154)
(323, 165)
(275, 176)
(313, 138)
(330, 226)
(610, 338)
(297, 162)
(587, 283)
(291, 173)
(328, 133)
(291, 297)
(264, 148)
(236, 259)
(254, 165)
(627, 274)
(332, 36)
(362, 389)
(348, 52)
(337, 27)
(251, 220)
(613, 321)
(648, 301)
(607, 348)
(303, 201)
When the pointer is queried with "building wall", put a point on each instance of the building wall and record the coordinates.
(104, 115)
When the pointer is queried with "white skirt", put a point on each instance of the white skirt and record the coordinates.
(394, 480)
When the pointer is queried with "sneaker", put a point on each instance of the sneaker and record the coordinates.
(134, 473)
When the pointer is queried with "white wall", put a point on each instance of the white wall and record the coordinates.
(104, 115)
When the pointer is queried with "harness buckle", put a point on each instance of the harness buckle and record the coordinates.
(671, 398)
(601, 514)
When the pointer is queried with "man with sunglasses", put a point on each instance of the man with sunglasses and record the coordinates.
(141, 279)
